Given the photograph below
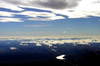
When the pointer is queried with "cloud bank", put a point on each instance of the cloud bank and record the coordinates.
(55, 41)
(59, 41)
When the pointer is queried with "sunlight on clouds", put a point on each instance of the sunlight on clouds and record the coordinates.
(36, 14)
(5, 13)
(5, 19)
(70, 8)
(25, 44)
(52, 41)
(48, 16)
(83, 10)
(56, 41)
(9, 6)
(38, 44)
(61, 57)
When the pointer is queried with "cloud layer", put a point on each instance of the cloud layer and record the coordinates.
(10, 19)
(58, 4)
(58, 41)
(4, 13)
(70, 8)
(54, 41)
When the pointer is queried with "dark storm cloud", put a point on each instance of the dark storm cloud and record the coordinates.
(53, 4)
(59, 4)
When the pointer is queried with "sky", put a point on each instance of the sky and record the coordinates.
(49, 18)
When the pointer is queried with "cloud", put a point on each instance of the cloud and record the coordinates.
(38, 44)
(25, 44)
(70, 8)
(53, 41)
(58, 4)
(61, 57)
(83, 10)
(11, 6)
(7, 19)
(36, 25)
(13, 48)
(40, 19)
(36, 14)
(47, 19)
(8, 14)
(53, 4)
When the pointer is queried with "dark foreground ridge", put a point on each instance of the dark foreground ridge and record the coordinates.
(37, 59)
(31, 55)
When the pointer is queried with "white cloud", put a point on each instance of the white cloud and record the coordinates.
(36, 25)
(51, 42)
(83, 10)
(57, 17)
(61, 57)
(79, 8)
(38, 44)
(47, 19)
(9, 6)
(21, 44)
(4, 13)
(7, 19)
(13, 48)
(25, 44)
(36, 14)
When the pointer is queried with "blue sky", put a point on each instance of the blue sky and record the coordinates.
(49, 18)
